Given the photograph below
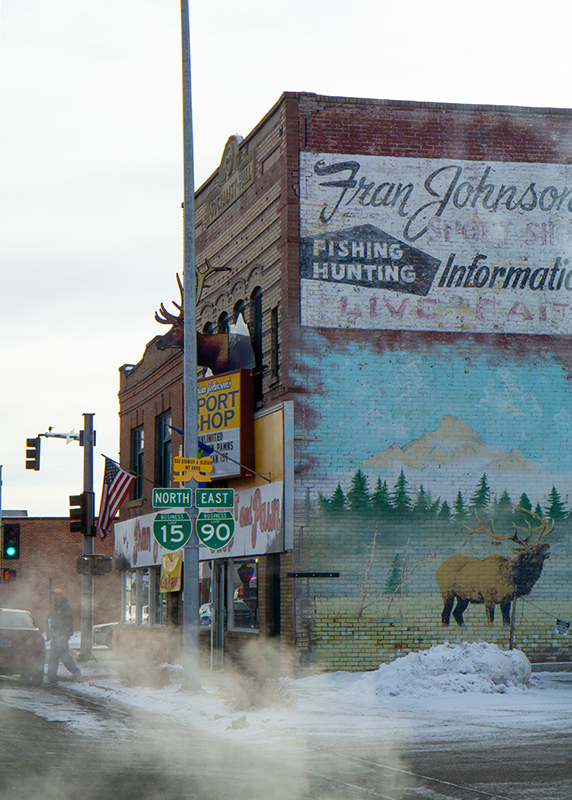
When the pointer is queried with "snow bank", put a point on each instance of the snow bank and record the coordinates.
(466, 667)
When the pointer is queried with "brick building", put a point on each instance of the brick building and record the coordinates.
(48, 553)
(404, 271)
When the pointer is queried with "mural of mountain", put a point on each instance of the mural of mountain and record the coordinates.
(453, 443)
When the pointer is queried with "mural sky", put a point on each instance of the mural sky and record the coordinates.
(512, 400)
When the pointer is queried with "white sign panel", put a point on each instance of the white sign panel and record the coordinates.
(435, 244)
(259, 528)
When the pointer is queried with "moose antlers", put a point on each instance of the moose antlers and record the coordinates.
(165, 317)
(542, 530)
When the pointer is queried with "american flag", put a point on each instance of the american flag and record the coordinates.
(116, 486)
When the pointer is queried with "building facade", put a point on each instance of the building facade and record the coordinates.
(47, 560)
(404, 270)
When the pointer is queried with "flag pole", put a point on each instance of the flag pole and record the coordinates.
(191, 550)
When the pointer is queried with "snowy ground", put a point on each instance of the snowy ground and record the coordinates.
(448, 691)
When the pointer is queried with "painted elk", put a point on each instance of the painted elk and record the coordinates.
(495, 579)
(220, 352)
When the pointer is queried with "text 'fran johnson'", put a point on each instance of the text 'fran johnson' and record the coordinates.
(446, 187)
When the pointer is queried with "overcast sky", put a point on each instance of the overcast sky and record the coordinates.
(91, 165)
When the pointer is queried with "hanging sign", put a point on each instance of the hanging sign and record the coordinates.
(184, 469)
(171, 569)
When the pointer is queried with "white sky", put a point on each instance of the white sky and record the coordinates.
(91, 164)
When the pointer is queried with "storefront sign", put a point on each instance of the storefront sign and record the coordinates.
(435, 244)
(258, 519)
(226, 420)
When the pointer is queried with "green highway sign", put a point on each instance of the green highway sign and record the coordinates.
(214, 498)
(172, 498)
(172, 531)
(215, 529)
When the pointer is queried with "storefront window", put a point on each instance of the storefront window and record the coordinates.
(144, 603)
(130, 595)
(143, 599)
(244, 577)
(240, 582)
(159, 602)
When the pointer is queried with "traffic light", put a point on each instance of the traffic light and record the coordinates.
(81, 513)
(8, 575)
(33, 453)
(11, 541)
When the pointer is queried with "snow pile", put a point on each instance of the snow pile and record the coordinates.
(465, 667)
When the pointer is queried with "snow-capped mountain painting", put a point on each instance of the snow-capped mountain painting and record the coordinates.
(452, 444)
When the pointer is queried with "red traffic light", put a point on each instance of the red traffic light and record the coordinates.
(8, 575)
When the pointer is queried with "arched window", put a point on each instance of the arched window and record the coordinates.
(239, 308)
(208, 328)
(222, 323)
(256, 336)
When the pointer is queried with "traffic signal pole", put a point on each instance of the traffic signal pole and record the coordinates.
(86, 647)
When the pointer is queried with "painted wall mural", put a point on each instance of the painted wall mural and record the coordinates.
(407, 442)
(435, 244)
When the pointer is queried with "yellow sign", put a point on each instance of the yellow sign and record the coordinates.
(184, 469)
(171, 572)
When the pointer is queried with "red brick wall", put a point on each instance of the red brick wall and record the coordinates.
(48, 553)
(435, 130)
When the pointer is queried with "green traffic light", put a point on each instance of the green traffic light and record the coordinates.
(10, 551)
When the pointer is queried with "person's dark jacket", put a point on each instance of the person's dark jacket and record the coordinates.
(61, 623)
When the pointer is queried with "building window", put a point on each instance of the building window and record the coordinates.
(244, 577)
(130, 596)
(275, 334)
(238, 310)
(137, 447)
(222, 323)
(163, 461)
(256, 337)
(240, 581)
(208, 328)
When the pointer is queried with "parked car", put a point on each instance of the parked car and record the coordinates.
(103, 634)
(243, 616)
(22, 646)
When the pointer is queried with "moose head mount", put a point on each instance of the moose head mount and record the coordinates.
(220, 352)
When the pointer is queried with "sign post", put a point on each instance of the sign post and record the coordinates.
(190, 659)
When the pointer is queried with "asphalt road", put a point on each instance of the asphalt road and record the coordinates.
(118, 753)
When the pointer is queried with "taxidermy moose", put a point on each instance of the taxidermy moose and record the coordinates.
(495, 579)
(220, 352)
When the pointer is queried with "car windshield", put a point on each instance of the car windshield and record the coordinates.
(15, 619)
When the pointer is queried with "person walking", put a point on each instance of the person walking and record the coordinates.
(61, 628)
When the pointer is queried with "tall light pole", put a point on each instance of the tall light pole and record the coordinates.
(191, 550)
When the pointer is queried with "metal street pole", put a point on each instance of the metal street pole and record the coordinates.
(191, 550)
(86, 646)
